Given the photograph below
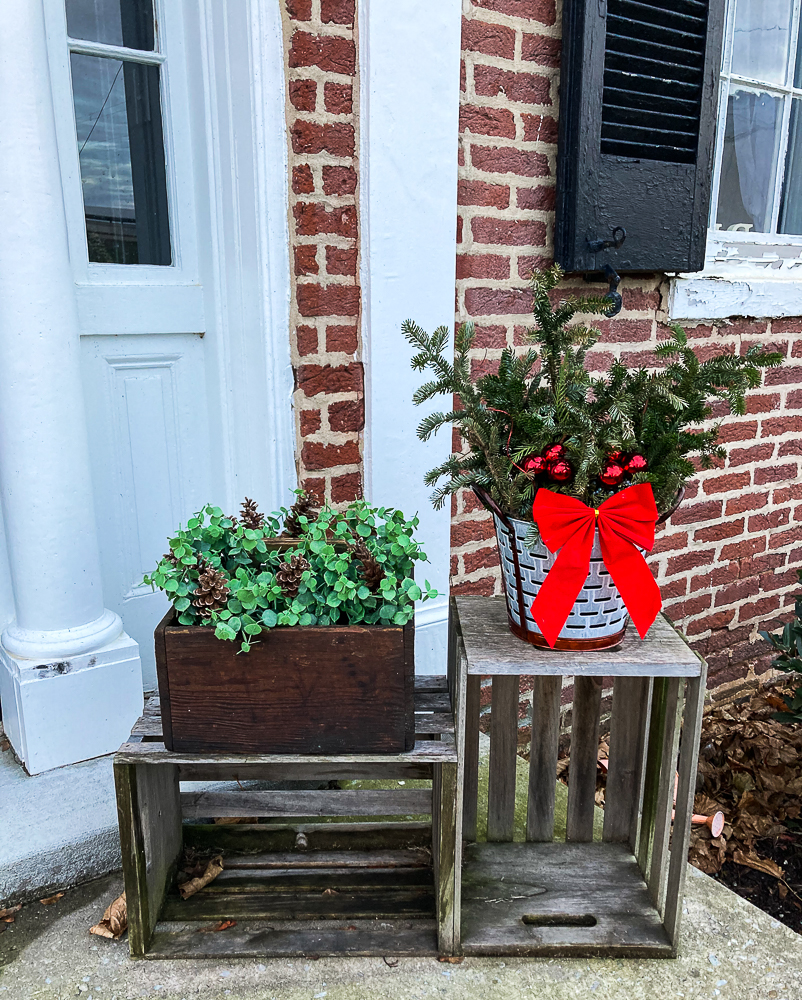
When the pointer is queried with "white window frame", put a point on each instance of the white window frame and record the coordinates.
(746, 274)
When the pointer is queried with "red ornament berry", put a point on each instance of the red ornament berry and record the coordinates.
(554, 453)
(636, 464)
(617, 457)
(560, 471)
(535, 464)
(612, 474)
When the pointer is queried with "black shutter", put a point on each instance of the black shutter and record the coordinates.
(638, 91)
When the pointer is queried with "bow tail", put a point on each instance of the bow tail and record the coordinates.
(562, 585)
(632, 577)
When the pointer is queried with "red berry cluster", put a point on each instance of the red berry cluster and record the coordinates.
(552, 462)
(618, 465)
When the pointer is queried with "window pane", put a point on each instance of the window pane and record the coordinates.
(120, 146)
(791, 207)
(749, 162)
(762, 39)
(115, 22)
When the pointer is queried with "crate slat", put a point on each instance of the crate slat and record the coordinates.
(543, 759)
(584, 757)
(665, 793)
(196, 805)
(324, 860)
(253, 838)
(503, 750)
(431, 751)
(627, 736)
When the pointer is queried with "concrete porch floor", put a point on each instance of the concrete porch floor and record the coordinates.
(730, 950)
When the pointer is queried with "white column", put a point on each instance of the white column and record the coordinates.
(69, 675)
(409, 124)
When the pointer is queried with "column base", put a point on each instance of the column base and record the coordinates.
(61, 711)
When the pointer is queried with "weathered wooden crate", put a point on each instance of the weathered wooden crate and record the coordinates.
(377, 883)
(621, 896)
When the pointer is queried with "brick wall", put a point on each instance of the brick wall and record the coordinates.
(322, 125)
(727, 560)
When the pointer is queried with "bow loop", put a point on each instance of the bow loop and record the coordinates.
(625, 523)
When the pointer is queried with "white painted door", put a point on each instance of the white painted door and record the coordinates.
(185, 383)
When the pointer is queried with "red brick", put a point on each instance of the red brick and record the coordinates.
(763, 403)
(472, 531)
(482, 266)
(300, 10)
(309, 137)
(598, 361)
(316, 487)
(312, 219)
(484, 366)
(781, 425)
(487, 336)
(749, 501)
(303, 94)
(734, 593)
(762, 563)
(719, 619)
(767, 522)
(689, 560)
(338, 98)
(786, 493)
(482, 193)
(310, 422)
(759, 609)
(341, 338)
(708, 511)
(524, 88)
(306, 337)
(718, 576)
(498, 301)
(718, 532)
(784, 375)
(540, 128)
(530, 10)
(348, 415)
(796, 350)
(328, 300)
(792, 325)
(770, 582)
(346, 488)
(793, 400)
(775, 474)
(619, 331)
(509, 232)
(738, 430)
(490, 39)
(341, 261)
(690, 607)
(315, 455)
(505, 160)
(302, 180)
(526, 266)
(328, 52)
(725, 640)
(337, 11)
(743, 549)
(485, 587)
(314, 379)
(676, 588)
(541, 49)
(641, 299)
(454, 565)
(487, 121)
(482, 559)
(642, 359)
(339, 180)
(537, 199)
(670, 543)
(306, 259)
(723, 484)
(459, 229)
(786, 538)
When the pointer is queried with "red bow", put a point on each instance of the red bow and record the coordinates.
(624, 520)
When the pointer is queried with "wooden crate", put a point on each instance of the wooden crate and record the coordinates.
(318, 690)
(392, 879)
(621, 896)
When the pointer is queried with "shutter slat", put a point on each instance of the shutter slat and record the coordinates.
(622, 115)
(646, 136)
(638, 31)
(638, 100)
(668, 72)
(642, 12)
(636, 151)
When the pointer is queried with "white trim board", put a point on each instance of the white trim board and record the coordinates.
(409, 140)
(715, 297)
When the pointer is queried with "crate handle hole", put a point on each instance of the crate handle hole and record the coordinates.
(559, 920)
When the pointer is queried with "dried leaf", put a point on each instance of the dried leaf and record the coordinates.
(114, 921)
(222, 926)
(329, 892)
(766, 866)
(48, 900)
(4, 745)
(213, 868)
(7, 915)
(230, 820)
(452, 959)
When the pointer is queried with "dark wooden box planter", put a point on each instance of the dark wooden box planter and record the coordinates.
(302, 690)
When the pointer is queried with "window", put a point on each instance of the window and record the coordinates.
(116, 77)
(759, 175)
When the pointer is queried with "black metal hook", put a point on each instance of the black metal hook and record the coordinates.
(616, 302)
(596, 246)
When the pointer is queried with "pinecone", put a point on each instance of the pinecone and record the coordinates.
(289, 575)
(371, 570)
(307, 506)
(212, 592)
(251, 517)
(170, 557)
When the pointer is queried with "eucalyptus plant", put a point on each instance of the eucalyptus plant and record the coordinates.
(542, 419)
(354, 566)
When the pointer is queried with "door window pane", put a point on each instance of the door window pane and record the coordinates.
(762, 39)
(791, 207)
(121, 151)
(749, 161)
(115, 22)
